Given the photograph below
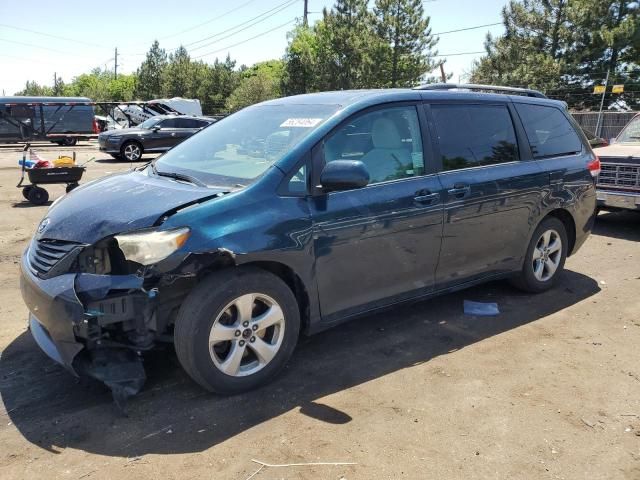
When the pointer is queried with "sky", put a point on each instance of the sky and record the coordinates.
(40, 38)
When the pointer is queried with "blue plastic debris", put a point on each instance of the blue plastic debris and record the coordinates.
(481, 309)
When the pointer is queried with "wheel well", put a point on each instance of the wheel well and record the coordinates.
(569, 225)
(295, 284)
(132, 141)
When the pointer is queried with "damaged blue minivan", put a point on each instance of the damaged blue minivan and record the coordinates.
(296, 214)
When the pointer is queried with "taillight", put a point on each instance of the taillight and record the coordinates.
(96, 129)
(594, 167)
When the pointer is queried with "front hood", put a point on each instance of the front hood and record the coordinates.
(117, 203)
(619, 150)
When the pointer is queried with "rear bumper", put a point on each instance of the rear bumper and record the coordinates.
(610, 199)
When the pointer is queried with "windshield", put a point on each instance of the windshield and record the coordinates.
(631, 133)
(149, 123)
(241, 147)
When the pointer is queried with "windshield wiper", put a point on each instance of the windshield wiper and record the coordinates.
(178, 176)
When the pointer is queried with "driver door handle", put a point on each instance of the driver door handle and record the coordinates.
(460, 190)
(426, 197)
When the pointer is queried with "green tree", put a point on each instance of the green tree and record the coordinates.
(564, 47)
(150, 73)
(34, 89)
(259, 83)
(345, 40)
(406, 50)
(94, 85)
(122, 88)
(532, 51)
(177, 74)
(301, 59)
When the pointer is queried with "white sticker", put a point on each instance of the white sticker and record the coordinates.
(301, 122)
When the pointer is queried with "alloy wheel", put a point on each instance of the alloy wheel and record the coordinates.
(132, 152)
(547, 255)
(246, 335)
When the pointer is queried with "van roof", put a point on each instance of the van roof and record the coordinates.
(22, 100)
(346, 98)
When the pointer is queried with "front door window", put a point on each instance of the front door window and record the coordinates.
(387, 141)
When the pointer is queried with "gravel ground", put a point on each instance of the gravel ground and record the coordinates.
(549, 389)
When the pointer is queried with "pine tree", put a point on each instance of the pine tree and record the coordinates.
(177, 74)
(405, 51)
(532, 51)
(345, 38)
(150, 73)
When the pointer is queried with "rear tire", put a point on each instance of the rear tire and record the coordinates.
(38, 196)
(545, 257)
(237, 329)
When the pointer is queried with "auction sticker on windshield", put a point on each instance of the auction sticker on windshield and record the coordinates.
(301, 122)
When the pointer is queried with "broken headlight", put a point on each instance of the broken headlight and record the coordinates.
(151, 246)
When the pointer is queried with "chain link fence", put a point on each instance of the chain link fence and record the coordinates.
(611, 124)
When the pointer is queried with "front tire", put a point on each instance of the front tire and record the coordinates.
(237, 329)
(131, 151)
(545, 257)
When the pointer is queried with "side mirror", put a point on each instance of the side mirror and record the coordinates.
(344, 175)
(155, 128)
(612, 141)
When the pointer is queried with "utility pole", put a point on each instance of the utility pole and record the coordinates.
(443, 75)
(306, 12)
(55, 83)
(115, 65)
(604, 92)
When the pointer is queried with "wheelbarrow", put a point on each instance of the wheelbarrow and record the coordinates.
(46, 176)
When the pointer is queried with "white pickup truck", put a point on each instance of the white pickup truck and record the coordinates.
(619, 181)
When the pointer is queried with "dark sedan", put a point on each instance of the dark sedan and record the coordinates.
(155, 135)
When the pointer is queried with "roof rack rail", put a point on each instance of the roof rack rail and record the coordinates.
(482, 88)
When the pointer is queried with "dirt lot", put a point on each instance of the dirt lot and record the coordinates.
(548, 389)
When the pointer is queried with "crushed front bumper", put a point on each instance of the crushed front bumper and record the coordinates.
(55, 311)
(59, 324)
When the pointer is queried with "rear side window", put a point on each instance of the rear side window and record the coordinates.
(474, 135)
(549, 132)
(168, 123)
(183, 123)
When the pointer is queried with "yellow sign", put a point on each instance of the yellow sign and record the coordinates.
(598, 89)
(618, 89)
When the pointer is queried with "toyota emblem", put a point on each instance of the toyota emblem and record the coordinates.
(43, 225)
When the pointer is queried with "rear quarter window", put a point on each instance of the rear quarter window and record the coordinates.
(548, 130)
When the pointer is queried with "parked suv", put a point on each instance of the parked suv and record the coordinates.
(619, 180)
(297, 214)
(155, 135)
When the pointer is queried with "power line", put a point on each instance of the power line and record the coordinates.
(468, 28)
(52, 36)
(269, 13)
(458, 53)
(228, 12)
(34, 46)
(246, 40)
